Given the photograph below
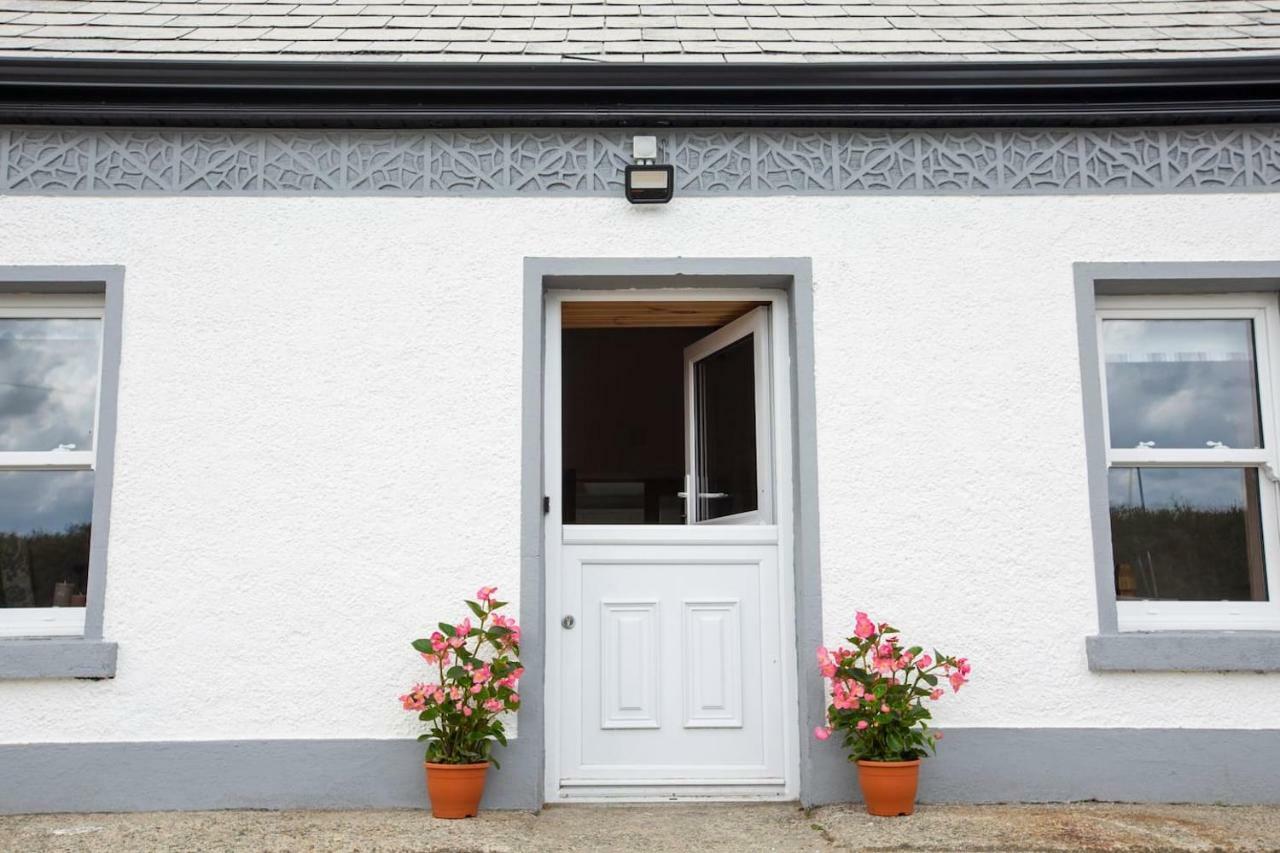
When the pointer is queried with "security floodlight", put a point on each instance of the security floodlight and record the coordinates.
(648, 182)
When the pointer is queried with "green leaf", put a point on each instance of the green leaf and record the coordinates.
(422, 646)
(455, 672)
(476, 609)
(446, 629)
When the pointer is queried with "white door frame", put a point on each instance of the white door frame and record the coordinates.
(553, 528)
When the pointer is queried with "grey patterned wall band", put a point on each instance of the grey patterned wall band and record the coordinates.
(41, 160)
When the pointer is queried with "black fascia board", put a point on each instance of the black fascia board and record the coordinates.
(234, 93)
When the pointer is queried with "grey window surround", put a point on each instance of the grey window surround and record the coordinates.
(88, 656)
(1154, 651)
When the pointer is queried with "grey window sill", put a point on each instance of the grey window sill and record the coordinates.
(1185, 651)
(57, 657)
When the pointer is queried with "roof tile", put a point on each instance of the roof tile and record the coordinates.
(624, 30)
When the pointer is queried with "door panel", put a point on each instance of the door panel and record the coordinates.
(713, 667)
(657, 665)
(629, 657)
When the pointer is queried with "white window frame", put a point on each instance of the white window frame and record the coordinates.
(756, 323)
(53, 621)
(1264, 311)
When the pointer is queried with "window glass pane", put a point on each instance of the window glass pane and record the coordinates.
(725, 396)
(44, 537)
(1181, 383)
(1187, 534)
(48, 383)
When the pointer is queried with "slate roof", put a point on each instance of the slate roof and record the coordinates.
(639, 30)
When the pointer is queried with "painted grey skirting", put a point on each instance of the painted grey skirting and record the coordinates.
(42, 160)
(972, 765)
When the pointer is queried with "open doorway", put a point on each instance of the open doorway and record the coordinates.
(656, 396)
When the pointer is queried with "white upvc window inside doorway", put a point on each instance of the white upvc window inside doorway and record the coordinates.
(1192, 458)
(729, 441)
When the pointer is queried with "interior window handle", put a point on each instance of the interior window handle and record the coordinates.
(704, 494)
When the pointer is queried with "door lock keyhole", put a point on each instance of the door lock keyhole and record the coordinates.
(567, 622)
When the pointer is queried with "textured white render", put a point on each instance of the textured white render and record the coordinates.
(319, 425)
(640, 30)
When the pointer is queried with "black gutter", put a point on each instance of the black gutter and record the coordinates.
(366, 94)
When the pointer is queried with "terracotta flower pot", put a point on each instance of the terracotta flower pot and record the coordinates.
(455, 789)
(889, 787)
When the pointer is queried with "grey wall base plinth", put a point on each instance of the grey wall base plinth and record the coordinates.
(249, 774)
(973, 765)
(1122, 765)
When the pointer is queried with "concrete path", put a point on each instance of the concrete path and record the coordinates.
(1091, 826)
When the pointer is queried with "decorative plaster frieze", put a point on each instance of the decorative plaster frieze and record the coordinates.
(42, 160)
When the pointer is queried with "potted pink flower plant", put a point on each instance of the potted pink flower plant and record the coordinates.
(477, 672)
(878, 694)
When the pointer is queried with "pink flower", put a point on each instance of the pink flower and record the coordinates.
(862, 724)
(439, 643)
(825, 664)
(476, 688)
(463, 628)
(456, 642)
(438, 695)
(514, 699)
(455, 693)
(843, 698)
(864, 627)
(413, 701)
(507, 622)
(493, 706)
(937, 735)
(485, 593)
(957, 680)
(884, 709)
(481, 675)
(925, 662)
(936, 694)
(962, 664)
(822, 732)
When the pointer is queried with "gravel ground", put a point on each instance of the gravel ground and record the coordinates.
(1087, 826)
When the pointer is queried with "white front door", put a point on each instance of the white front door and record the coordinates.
(672, 648)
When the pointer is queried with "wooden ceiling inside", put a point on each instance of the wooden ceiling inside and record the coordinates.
(637, 315)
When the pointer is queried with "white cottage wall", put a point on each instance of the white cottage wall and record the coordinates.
(319, 425)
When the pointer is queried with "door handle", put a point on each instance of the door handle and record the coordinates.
(704, 494)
